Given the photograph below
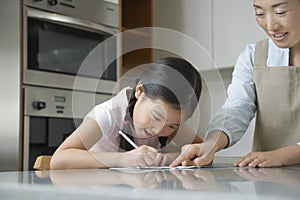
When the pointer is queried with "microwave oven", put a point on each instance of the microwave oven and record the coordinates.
(71, 45)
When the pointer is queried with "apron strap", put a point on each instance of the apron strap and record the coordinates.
(261, 53)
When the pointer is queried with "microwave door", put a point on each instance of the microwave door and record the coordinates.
(57, 47)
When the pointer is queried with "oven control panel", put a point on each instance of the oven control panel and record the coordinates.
(105, 12)
(50, 2)
(48, 102)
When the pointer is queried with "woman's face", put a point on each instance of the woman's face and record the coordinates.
(154, 117)
(280, 19)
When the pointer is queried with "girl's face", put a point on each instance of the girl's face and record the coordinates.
(280, 19)
(154, 117)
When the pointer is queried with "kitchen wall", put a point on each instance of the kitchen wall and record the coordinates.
(9, 84)
(236, 27)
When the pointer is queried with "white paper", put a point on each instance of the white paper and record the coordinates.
(161, 168)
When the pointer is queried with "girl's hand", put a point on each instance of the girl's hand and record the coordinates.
(143, 156)
(260, 159)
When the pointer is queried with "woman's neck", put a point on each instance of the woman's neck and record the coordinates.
(295, 56)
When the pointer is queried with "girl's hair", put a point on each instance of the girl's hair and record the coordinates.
(171, 79)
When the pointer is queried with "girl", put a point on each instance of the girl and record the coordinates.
(151, 114)
(266, 83)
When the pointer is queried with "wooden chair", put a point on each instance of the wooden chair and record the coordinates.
(42, 162)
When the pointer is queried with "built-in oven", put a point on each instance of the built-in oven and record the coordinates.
(51, 115)
(58, 36)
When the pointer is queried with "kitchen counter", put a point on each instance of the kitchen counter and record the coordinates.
(222, 182)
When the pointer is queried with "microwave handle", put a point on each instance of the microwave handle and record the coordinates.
(70, 21)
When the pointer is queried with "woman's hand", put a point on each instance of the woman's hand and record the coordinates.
(194, 154)
(203, 153)
(259, 159)
(284, 156)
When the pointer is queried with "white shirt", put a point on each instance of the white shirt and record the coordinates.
(240, 105)
(109, 115)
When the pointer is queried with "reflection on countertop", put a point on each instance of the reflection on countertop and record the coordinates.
(214, 183)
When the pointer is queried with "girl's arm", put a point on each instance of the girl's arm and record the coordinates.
(73, 152)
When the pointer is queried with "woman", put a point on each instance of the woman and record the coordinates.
(266, 83)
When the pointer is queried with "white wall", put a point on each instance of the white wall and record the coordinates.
(194, 18)
(234, 26)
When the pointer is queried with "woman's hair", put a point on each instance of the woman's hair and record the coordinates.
(171, 79)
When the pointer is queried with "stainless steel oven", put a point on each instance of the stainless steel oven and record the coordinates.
(50, 117)
(59, 34)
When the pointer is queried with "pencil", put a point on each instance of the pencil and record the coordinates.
(127, 139)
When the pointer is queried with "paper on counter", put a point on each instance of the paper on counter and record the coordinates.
(161, 168)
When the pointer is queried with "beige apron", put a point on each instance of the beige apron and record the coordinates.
(278, 102)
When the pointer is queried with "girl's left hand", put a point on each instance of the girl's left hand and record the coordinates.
(259, 159)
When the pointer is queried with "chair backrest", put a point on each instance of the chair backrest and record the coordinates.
(42, 162)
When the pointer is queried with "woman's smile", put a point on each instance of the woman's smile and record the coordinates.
(279, 36)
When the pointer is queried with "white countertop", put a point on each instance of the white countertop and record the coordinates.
(213, 183)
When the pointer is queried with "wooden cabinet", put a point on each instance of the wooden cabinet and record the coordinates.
(135, 14)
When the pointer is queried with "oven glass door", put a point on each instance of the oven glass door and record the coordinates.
(46, 134)
(61, 48)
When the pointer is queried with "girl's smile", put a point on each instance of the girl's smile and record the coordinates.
(154, 117)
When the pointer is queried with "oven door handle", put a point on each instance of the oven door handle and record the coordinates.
(71, 21)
